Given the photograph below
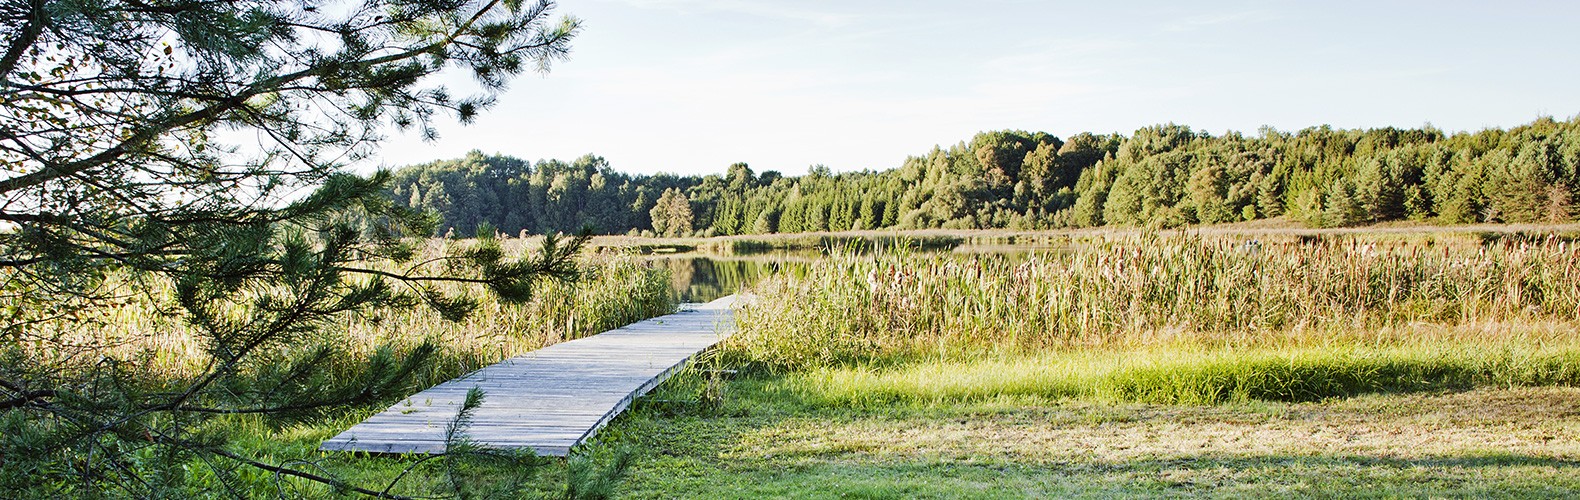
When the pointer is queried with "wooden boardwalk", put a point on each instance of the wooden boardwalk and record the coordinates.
(553, 398)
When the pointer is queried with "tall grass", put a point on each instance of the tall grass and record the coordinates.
(613, 290)
(817, 242)
(1197, 376)
(151, 349)
(1140, 291)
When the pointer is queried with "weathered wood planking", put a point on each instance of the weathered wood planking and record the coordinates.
(553, 398)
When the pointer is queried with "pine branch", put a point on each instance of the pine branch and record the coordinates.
(26, 398)
(31, 30)
(338, 484)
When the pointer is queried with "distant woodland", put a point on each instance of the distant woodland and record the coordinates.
(1160, 176)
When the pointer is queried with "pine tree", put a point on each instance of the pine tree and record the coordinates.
(1341, 206)
(114, 172)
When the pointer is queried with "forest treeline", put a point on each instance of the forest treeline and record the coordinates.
(1164, 176)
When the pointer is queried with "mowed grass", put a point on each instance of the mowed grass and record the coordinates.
(769, 438)
(1485, 421)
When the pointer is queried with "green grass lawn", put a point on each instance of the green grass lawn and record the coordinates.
(768, 438)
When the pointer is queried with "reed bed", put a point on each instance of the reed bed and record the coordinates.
(1149, 291)
(614, 290)
(152, 349)
(860, 243)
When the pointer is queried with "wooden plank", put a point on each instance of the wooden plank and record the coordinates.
(553, 398)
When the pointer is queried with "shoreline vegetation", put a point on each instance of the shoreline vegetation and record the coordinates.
(1163, 176)
(927, 240)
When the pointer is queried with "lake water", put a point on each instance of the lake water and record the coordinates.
(702, 278)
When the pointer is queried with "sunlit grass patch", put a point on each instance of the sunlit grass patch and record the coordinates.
(1195, 376)
(766, 440)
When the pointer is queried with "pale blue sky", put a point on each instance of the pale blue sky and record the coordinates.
(690, 86)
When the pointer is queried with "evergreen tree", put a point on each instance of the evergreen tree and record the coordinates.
(114, 174)
(1341, 206)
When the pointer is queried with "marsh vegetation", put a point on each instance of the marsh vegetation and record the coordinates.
(1099, 364)
(1141, 364)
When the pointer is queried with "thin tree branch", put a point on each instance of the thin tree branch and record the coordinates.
(36, 19)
